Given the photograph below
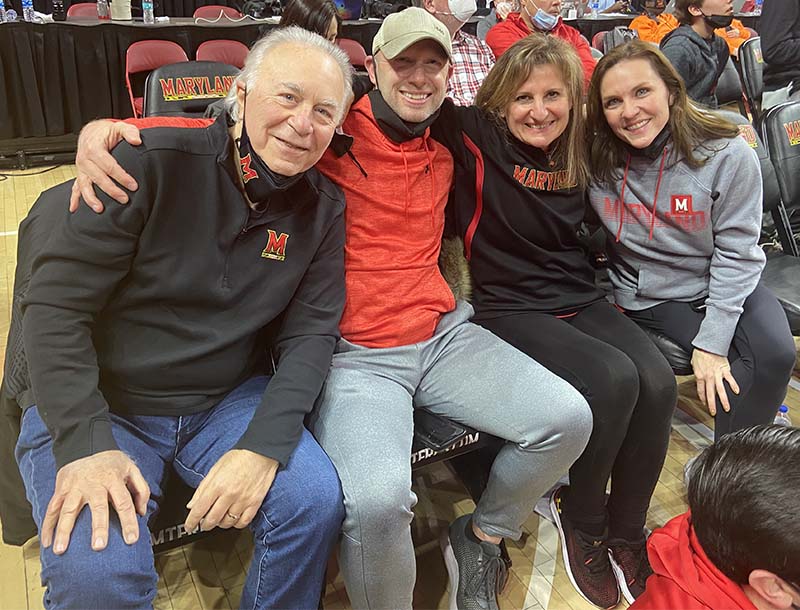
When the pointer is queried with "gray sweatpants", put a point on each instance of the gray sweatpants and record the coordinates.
(464, 372)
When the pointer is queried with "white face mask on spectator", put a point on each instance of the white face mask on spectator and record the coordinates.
(461, 10)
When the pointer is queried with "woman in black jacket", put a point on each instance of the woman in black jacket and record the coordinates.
(519, 202)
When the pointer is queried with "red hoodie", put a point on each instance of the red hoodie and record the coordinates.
(506, 33)
(684, 578)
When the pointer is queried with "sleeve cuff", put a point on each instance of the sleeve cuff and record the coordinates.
(716, 331)
(278, 452)
(84, 440)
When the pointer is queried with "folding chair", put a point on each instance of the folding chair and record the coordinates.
(83, 10)
(354, 51)
(751, 63)
(143, 57)
(216, 11)
(186, 88)
(230, 52)
(729, 87)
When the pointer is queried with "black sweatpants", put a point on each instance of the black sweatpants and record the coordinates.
(631, 390)
(762, 354)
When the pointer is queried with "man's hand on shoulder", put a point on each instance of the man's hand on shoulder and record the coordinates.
(96, 165)
(96, 480)
(232, 492)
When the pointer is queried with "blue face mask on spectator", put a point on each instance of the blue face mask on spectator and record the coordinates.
(542, 20)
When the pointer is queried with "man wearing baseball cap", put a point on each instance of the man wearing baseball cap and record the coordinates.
(407, 343)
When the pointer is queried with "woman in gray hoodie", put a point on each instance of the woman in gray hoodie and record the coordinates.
(679, 195)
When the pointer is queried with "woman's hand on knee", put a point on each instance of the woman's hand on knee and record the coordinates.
(711, 371)
(96, 480)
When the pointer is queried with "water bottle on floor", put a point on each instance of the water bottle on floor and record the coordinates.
(147, 11)
(782, 418)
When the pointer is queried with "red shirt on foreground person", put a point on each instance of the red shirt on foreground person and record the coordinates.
(684, 577)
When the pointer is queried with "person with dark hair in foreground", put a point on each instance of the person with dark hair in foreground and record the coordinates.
(738, 546)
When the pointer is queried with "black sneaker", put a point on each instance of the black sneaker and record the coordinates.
(585, 559)
(631, 566)
(476, 569)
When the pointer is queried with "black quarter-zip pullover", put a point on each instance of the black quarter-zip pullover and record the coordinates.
(166, 304)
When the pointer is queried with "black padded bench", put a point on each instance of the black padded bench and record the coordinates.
(435, 439)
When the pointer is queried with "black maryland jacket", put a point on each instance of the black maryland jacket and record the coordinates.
(518, 218)
(166, 304)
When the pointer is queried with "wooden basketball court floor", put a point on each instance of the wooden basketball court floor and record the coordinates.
(210, 573)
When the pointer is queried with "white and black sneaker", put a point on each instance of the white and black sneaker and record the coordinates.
(476, 569)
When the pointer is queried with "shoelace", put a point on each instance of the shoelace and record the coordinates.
(637, 555)
(595, 552)
(490, 576)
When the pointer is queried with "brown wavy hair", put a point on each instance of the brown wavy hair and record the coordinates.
(509, 73)
(689, 125)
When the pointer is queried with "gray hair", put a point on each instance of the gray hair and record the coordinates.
(285, 35)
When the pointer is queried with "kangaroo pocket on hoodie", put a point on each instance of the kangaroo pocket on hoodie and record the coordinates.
(669, 285)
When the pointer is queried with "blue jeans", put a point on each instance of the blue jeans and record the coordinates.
(293, 533)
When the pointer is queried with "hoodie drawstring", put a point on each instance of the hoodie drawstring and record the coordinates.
(433, 188)
(405, 174)
(655, 198)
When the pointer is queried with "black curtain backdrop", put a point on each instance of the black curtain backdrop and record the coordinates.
(56, 77)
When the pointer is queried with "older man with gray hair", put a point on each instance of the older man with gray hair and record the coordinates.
(147, 331)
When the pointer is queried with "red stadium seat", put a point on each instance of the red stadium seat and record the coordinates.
(354, 51)
(145, 56)
(213, 11)
(230, 52)
(597, 41)
(83, 10)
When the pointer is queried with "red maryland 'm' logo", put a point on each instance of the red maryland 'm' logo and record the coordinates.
(276, 246)
(681, 204)
(248, 173)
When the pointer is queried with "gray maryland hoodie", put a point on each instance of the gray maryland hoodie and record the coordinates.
(702, 240)
(699, 61)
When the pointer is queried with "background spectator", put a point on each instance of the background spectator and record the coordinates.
(696, 52)
(780, 44)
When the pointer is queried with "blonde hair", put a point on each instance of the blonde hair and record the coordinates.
(689, 125)
(509, 73)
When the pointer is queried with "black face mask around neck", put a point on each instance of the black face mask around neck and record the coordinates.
(392, 125)
(260, 182)
(718, 21)
(653, 150)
